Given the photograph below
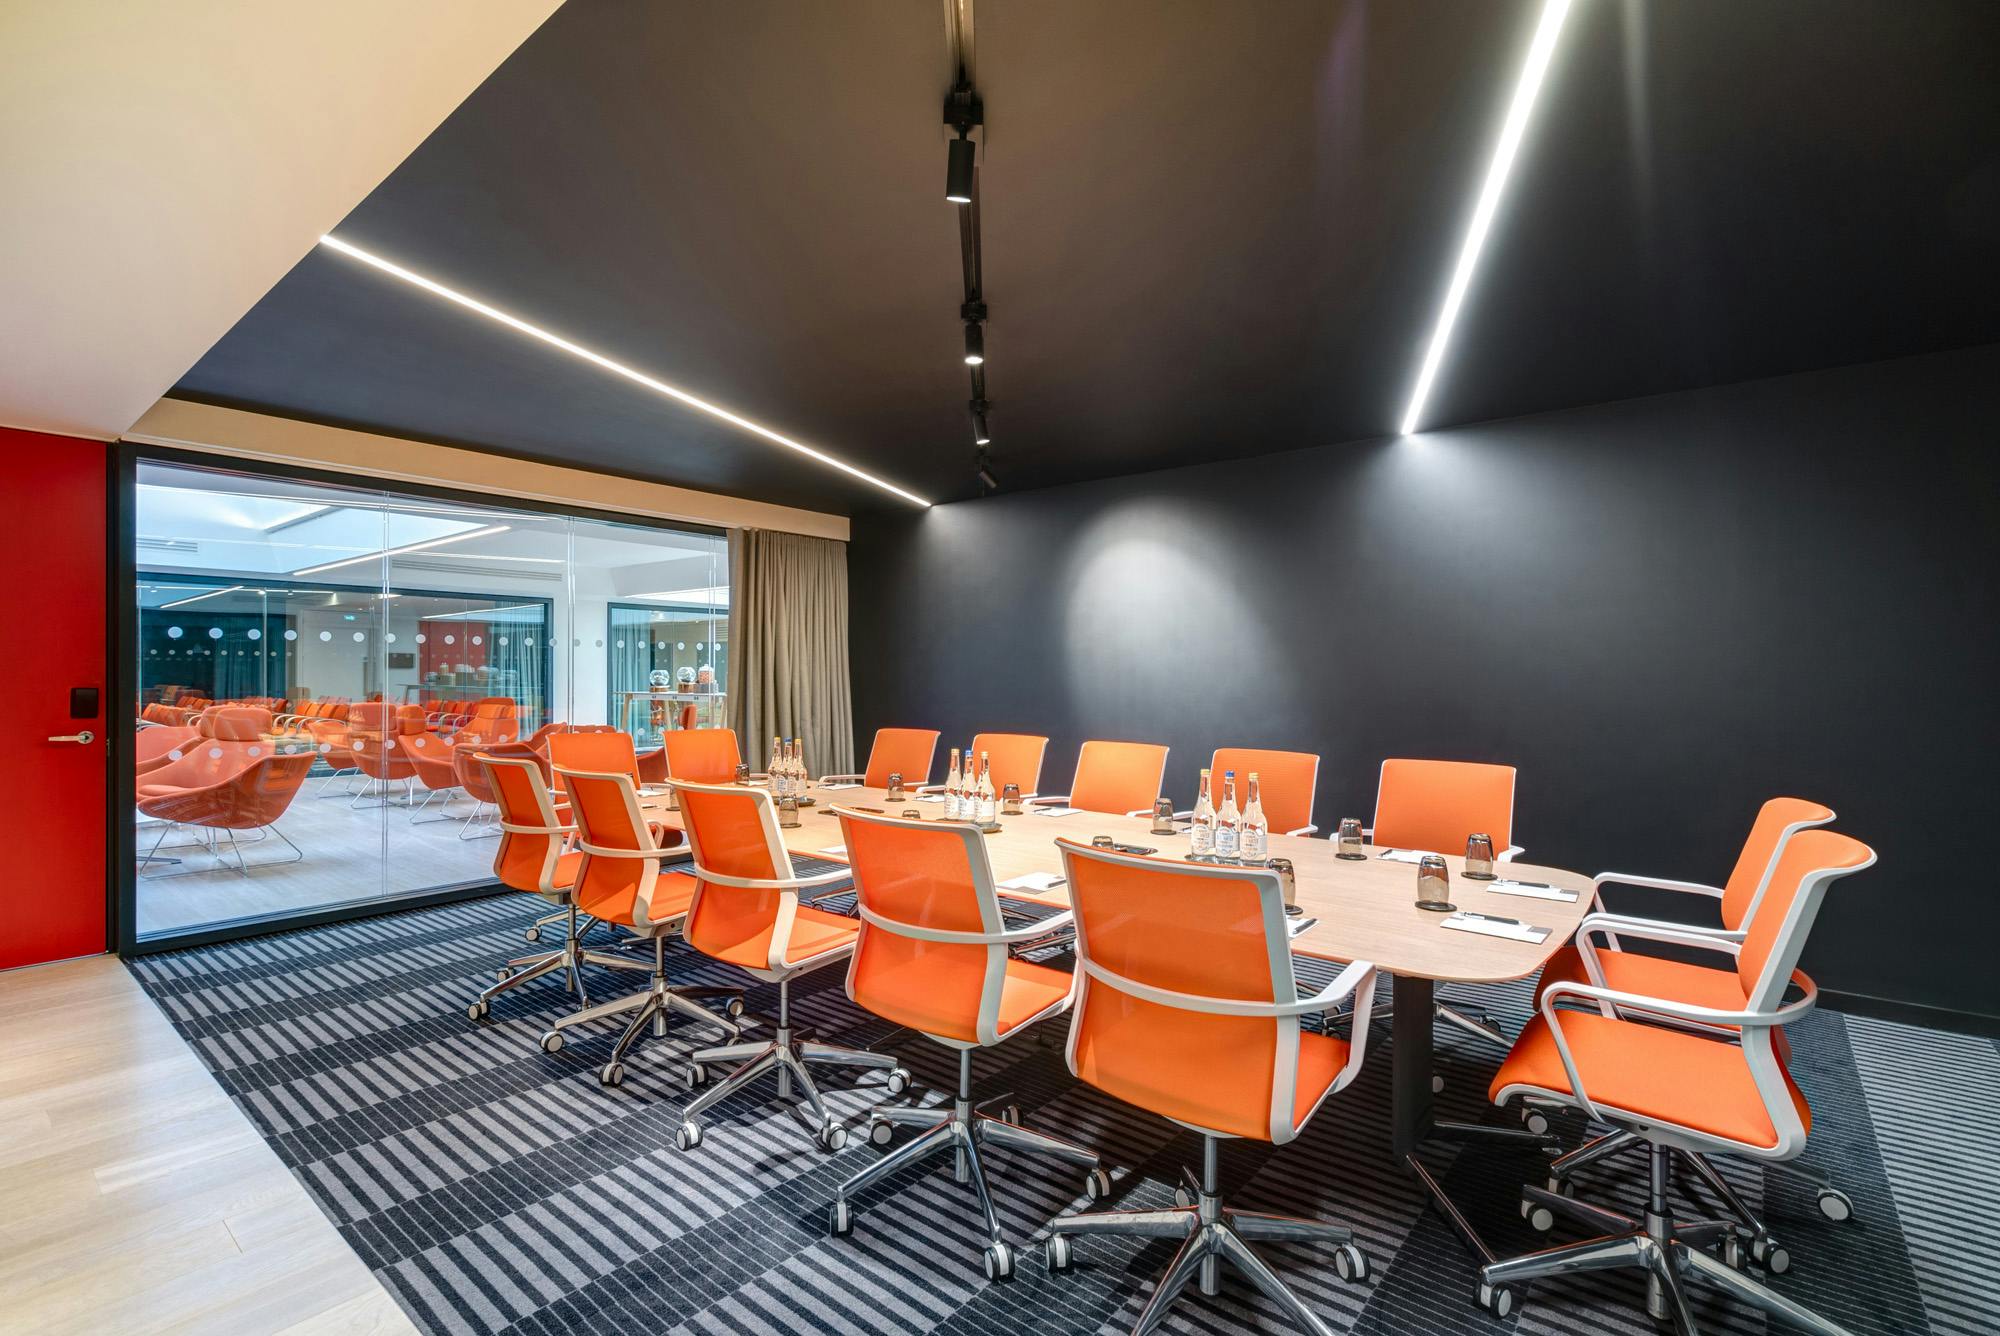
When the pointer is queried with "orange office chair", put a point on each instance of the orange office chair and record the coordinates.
(534, 857)
(491, 719)
(1122, 778)
(1694, 984)
(605, 752)
(702, 755)
(156, 746)
(1677, 1091)
(908, 752)
(618, 881)
(1016, 759)
(746, 912)
(222, 793)
(934, 955)
(375, 740)
(436, 765)
(1435, 807)
(1187, 1006)
(1285, 779)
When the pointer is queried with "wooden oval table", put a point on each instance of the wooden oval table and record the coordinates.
(1363, 910)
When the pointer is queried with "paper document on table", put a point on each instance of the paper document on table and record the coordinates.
(1531, 889)
(836, 850)
(1404, 855)
(849, 784)
(1488, 927)
(932, 798)
(1055, 811)
(1033, 881)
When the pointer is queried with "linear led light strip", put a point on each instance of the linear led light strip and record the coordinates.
(183, 602)
(615, 368)
(1539, 54)
(407, 547)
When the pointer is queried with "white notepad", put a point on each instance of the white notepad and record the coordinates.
(1519, 932)
(831, 787)
(931, 798)
(1033, 881)
(1404, 855)
(1055, 811)
(1505, 887)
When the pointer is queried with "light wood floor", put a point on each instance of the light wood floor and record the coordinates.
(134, 1196)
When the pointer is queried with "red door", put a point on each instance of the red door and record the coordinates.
(52, 606)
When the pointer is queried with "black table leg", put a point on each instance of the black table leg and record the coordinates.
(1410, 1060)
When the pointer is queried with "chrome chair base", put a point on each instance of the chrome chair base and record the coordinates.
(212, 842)
(1669, 1252)
(787, 1056)
(651, 1008)
(1210, 1235)
(962, 1130)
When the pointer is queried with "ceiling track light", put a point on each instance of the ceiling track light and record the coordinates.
(963, 111)
(958, 171)
(975, 344)
(981, 437)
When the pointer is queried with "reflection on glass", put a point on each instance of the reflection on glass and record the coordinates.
(279, 619)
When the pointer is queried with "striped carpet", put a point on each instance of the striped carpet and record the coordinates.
(497, 1189)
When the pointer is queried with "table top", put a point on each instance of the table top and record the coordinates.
(1366, 910)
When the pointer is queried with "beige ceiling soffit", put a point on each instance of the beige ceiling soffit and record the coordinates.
(259, 436)
(166, 164)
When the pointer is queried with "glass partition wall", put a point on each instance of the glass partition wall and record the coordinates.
(312, 658)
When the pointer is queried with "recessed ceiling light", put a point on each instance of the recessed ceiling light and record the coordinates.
(1540, 51)
(399, 551)
(437, 289)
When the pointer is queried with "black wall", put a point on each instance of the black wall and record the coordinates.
(1663, 611)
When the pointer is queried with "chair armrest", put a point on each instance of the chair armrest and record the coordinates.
(1603, 879)
(1143, 811)
(1684, 1011)
(1509, 854)
(1005, 937)
(1304, 831)
(769, 883)
(1653, 930)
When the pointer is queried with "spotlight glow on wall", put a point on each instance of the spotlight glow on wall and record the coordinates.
(1540, 51)
(576, 350)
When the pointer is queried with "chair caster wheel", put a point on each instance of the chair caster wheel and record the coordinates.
(1056, 1252)
(831, 1137)
(695, 1075)
(612, 1076)
(502, 974)
(533, 934)
(1536, 1121)
(1350, 1263)
(898, 1081)
(841, 1223)
(1539, 1217)
(1499, 1300)
(1835, 1205)
(1183, 1199)
(1011, 1115)
(687, 1136)
(733, 1008)
(999, 1259)
(1096, 1185)
(1437, 1084)
(553, 1041)
(1770, 1255)
(880, 1133)
(477, 1011)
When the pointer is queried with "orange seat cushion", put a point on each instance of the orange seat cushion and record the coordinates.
(671, 897)
(940, 998)
(814, 931)
(1655, 976)
(1672, 1076)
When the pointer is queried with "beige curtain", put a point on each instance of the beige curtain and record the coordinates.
(788, 647)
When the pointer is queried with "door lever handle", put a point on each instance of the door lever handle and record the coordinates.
(82, 739)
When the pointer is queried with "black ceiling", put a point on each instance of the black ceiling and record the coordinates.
(1210, 229)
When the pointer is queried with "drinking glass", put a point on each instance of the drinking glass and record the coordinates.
(896, 792)
(788, 813)
(1102, 842)
(1010, 800)
(1163, 816)
(742, 774)
(1434, 885)
(1479, 857)
(1350, 840)
(1288, 882)
(912, 814)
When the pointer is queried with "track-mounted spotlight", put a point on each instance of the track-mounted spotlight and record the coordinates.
(980, 436)
(975, 344)
(958, 171)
